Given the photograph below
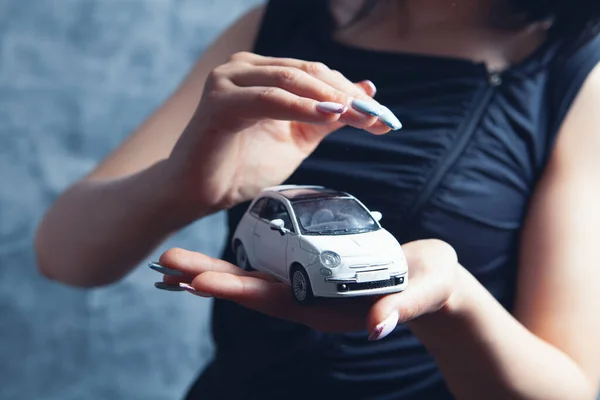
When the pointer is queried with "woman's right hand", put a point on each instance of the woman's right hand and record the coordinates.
(258, 119)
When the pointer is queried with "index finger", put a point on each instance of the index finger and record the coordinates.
(318, 70)
(192, 263)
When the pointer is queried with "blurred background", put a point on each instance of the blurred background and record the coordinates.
(76, 76)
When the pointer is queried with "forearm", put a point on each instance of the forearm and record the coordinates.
(98, 231)
(485, 353)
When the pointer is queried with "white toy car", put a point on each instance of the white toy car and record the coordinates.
(322, 242)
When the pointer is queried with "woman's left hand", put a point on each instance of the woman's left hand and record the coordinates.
(433, 271)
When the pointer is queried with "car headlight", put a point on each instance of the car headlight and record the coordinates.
(330, 259)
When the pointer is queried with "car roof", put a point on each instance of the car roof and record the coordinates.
(306, 192)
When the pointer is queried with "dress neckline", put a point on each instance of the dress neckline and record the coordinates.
(531, 64)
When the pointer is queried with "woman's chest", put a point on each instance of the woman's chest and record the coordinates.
(462, 168)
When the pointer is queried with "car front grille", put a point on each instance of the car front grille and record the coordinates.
(370, 266)
(352, 287)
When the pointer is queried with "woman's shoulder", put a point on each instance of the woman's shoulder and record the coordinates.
(568, 74)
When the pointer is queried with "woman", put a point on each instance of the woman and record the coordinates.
(490, 185)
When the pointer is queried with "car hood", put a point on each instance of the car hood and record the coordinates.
(361, 244)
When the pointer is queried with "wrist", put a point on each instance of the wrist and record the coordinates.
(171, 201)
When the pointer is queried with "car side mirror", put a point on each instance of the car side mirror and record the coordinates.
(277, 225)
(376, 215)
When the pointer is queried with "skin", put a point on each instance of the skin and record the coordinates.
(547, 349)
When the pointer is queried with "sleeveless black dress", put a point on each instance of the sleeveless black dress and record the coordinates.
(462, 169)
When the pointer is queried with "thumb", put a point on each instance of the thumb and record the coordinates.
(433, 266)
(424, 295)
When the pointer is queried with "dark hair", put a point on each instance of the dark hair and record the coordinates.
(576, 21)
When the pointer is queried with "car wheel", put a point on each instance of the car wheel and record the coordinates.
(241, 258)
(301, 287)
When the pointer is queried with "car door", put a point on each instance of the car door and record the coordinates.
(246, 229)
(271, 245)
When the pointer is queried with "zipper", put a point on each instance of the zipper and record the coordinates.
(494, 79)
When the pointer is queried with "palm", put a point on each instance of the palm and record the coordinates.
(234, 167)
(432, 268)
(268, 153)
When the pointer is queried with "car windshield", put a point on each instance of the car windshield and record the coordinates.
(333, 216)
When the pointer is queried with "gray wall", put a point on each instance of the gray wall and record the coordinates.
(75, 77)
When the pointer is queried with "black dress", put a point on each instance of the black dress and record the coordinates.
(462, 169)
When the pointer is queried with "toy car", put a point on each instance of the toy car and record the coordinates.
(323, 242)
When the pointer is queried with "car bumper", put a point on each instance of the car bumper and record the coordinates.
(335, 287)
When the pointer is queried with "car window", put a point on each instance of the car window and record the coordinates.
(333, 216)
(258, 206)
(275, 209)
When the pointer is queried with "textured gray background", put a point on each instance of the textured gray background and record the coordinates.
(76, 76)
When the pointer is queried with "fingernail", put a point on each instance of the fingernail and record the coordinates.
(372, 86)
(168, 287)
(165, 270)
(385, 327)
(388, 118)
(367, 107)
(331, 107)
(191, 289)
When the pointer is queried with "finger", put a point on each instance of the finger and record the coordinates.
(378, 128)
(255, 103)
(364, 90)
(419, 298)
(362, 116)
(318, 70)
(164, 270)
(170, 287)
(171, 277)
(291, 79)
(275, 299)
(362, 100)
(368, 87)
(192, 263)
(333, 78)
(303, 84)
(432, 265)
(265, 295)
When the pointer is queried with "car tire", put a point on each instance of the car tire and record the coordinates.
(241, 257)
(301, 287)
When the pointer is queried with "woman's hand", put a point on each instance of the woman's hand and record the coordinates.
(257, 120)
(433, 271)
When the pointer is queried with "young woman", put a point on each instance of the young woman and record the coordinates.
(492, 186)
